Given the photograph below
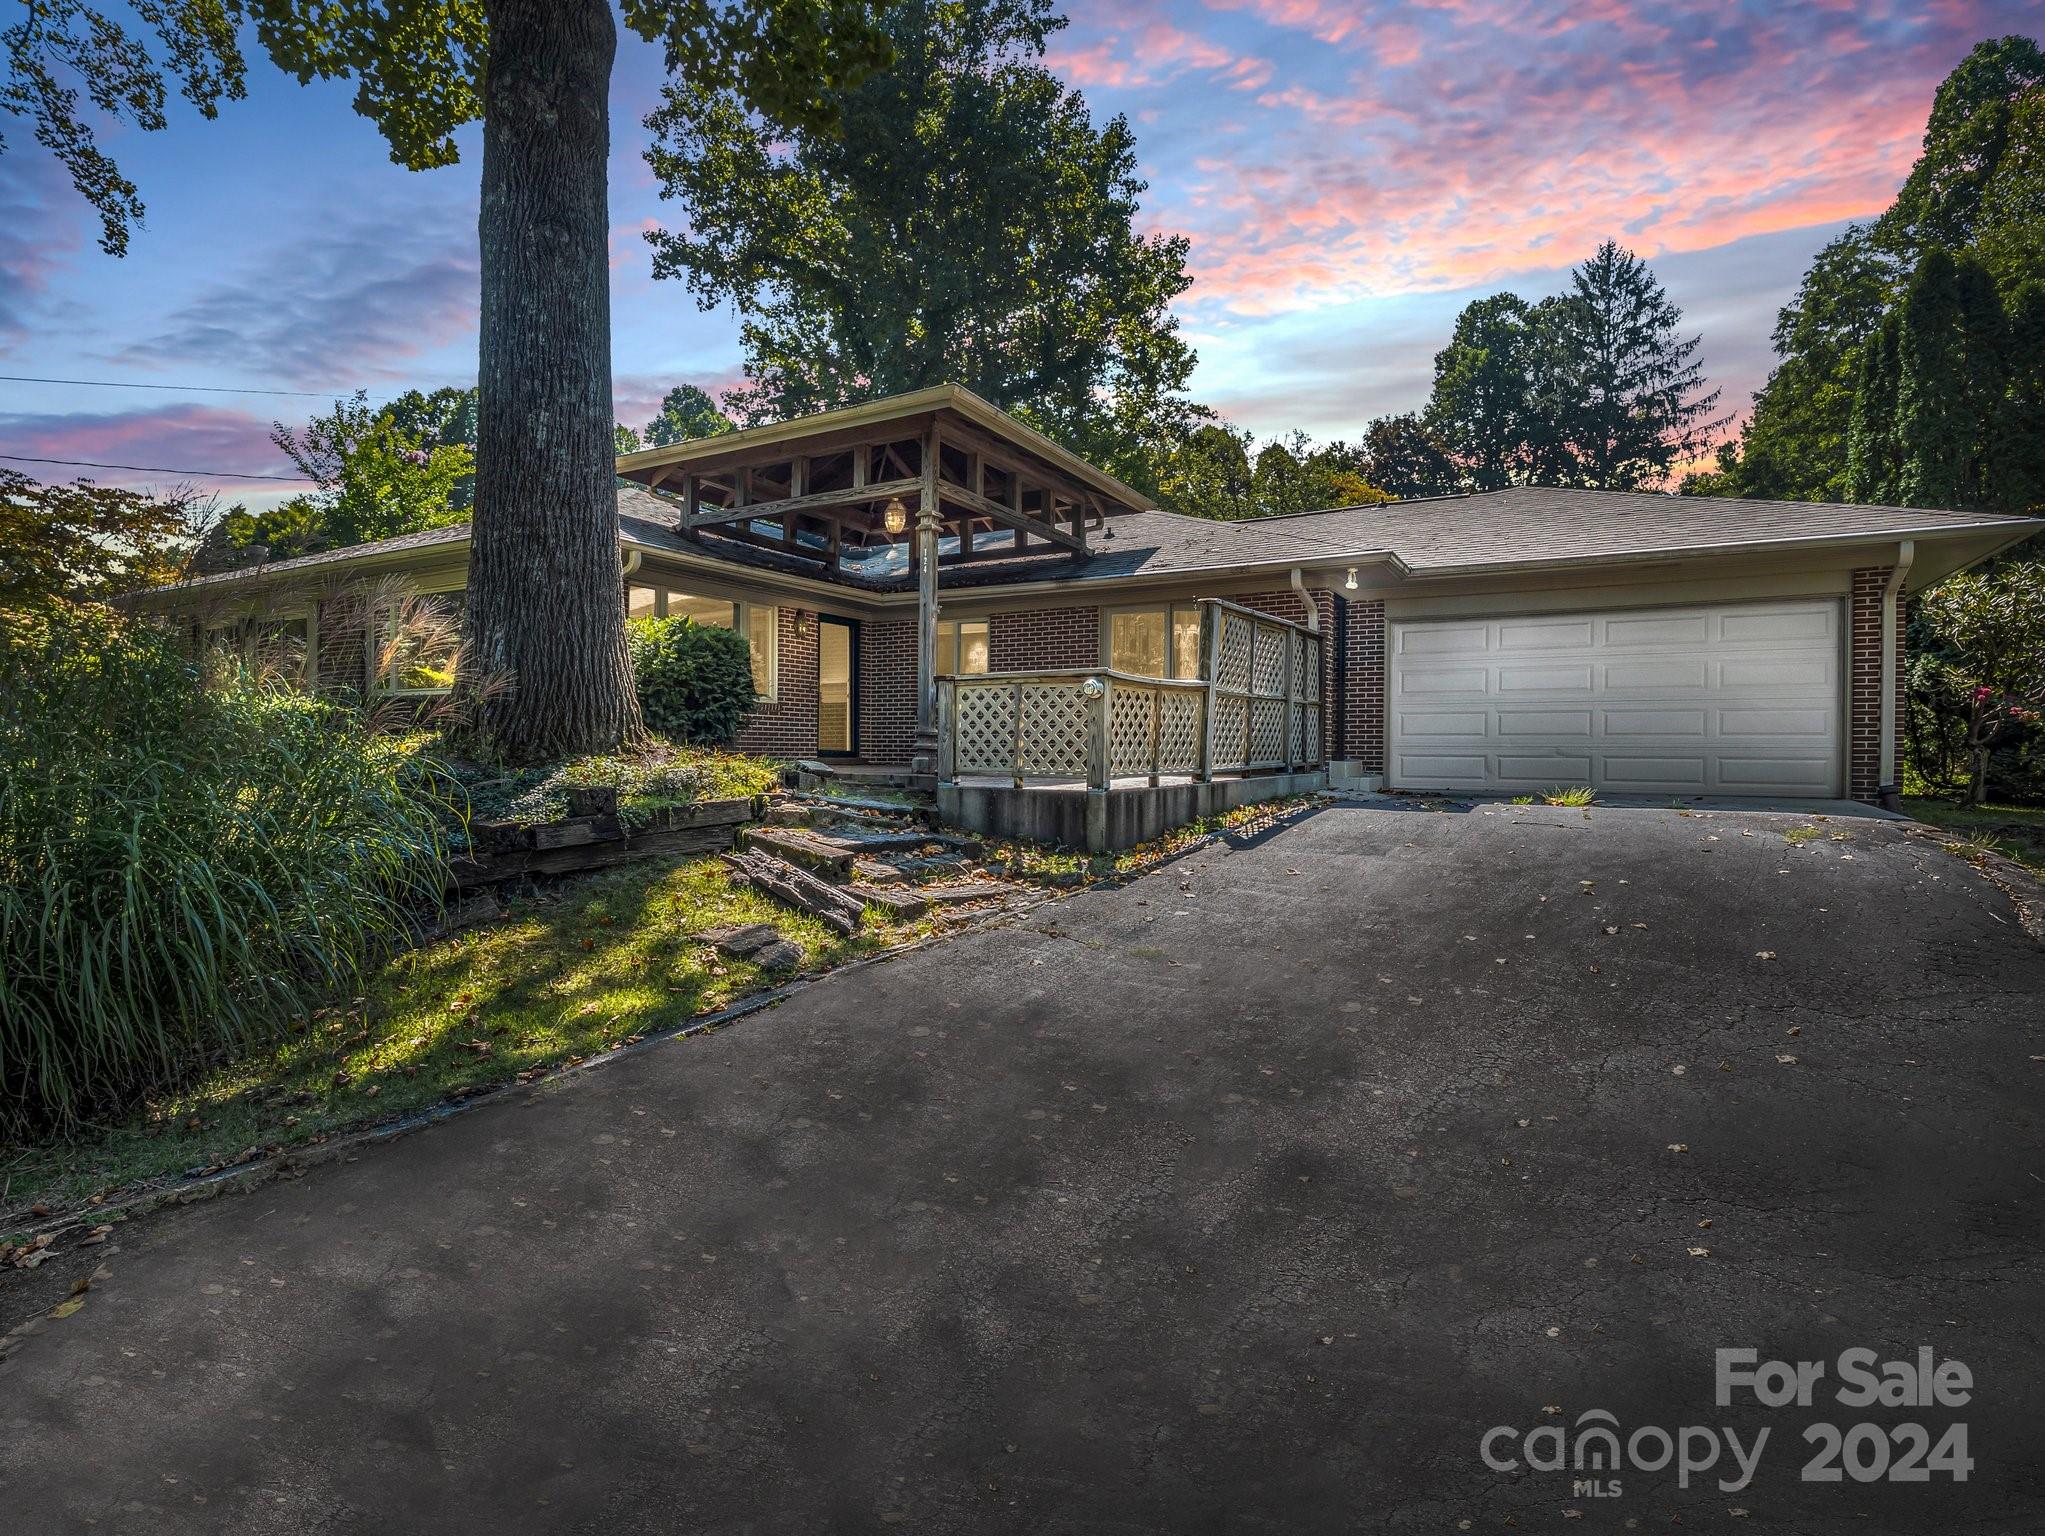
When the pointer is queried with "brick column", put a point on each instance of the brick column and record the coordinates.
(1864, 685)
(1366, 741)
(788, 726)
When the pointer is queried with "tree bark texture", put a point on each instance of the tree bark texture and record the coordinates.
(545, 666)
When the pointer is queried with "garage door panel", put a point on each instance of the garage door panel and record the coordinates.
(1662, 675)
(1661, 631)
(1545, 635)
(1778, 772)
(1736, 723)
(1655, 722)
(1624, 772)
(1436, 724)
(1438, 680)
(1443, 640)
(1778, 673)
(1544, 722)
(1442, 769)
(1543, 769)
(1774, 627)
(1736, 699)
(1519, 678)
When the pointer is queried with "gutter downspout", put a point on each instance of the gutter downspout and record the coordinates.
(1889, 791)
(1299, 585)
(632, 559)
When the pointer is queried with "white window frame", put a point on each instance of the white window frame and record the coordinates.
(741, 620)
(382, 684)
(952, 625)
(1170, 607)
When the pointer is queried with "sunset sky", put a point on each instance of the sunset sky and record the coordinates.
(1350, 175)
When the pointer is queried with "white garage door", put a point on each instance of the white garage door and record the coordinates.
(1736, 700)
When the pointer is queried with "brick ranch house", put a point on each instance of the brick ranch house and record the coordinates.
(1490, 643)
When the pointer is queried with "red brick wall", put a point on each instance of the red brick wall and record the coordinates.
(788, 726)
(1044, 639)
(887, 690)
(1864, 685)
(1366, 725)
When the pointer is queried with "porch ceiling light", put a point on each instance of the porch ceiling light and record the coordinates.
(1349, 584)
(894, 516)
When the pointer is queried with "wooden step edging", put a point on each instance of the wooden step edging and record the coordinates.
(506, 850)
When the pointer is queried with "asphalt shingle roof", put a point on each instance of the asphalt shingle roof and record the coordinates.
(1528, 525)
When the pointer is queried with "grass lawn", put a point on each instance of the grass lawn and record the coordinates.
(574, 971)
(2015, 831)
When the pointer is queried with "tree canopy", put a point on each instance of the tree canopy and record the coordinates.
(1596, 387)
(1976, 194)
(971, 225)
(687, 412)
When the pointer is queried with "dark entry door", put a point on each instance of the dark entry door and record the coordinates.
(837, 687)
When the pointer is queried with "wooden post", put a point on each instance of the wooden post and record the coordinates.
(947, 716)
(1157, 709)
(923, 756)
(1210, 670)
(1015, 761)
(1097, 766)
(1287, 720)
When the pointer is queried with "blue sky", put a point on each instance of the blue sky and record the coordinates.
(1349, 175)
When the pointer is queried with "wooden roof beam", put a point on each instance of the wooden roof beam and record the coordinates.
(815, 501)
(1009, 516)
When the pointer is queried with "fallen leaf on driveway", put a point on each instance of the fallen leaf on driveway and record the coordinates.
(1787, 1061)
(1764, 954)
(1611, 929)
(1679, 1146)
(1700, 1253)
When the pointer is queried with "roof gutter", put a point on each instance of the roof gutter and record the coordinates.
(1888, 790)
(1299, 585)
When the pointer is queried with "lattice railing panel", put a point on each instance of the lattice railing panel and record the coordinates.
(1268, 675)
(1267, 732)
(984, 733)
(1238, 640)
(1053, 739)
(1129, 712)
(1178, 736)
(1231, 731)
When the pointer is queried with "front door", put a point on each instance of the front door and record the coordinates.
(837, 687)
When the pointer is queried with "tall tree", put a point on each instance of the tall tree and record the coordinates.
(1978, 182)
(1873, 466)
(1483, 403)
(971, 225)
(1408, 458)
(545, 604)
(1631, 392)
(685, 413)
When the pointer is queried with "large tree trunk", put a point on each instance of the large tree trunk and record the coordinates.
(545, 669)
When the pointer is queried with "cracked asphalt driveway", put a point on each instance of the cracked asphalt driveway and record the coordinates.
(1245, 1197)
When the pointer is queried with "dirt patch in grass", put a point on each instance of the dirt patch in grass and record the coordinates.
(575, 970)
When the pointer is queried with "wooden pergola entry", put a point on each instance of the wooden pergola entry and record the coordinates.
(910, 469)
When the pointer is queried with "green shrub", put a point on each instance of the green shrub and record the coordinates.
(183, 869)
(695, 681)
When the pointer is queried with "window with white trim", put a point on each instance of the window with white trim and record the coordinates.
(417, 643)
(1163, 641)
(961, 647)
(758, 622)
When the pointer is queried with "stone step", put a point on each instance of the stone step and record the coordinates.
(828, 856)
(900, 902)
(953, 895)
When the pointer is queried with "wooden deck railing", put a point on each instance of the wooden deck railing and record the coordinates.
(1256, 706)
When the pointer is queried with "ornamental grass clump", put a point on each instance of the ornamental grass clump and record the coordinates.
(186, 864)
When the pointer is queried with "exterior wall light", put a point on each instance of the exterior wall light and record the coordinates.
(894, 516)
(1349, 585)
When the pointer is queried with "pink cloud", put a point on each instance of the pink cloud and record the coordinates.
(1514, 136)
(200, 445)
(1152, 51)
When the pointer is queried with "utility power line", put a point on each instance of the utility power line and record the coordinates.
(158, 469)
(196, 389)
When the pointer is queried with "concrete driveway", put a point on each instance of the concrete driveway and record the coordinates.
(1248, 1197)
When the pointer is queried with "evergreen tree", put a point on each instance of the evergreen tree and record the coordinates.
(1933, 433)
(2017, 441)
(1871, 458)
(1635, 402)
